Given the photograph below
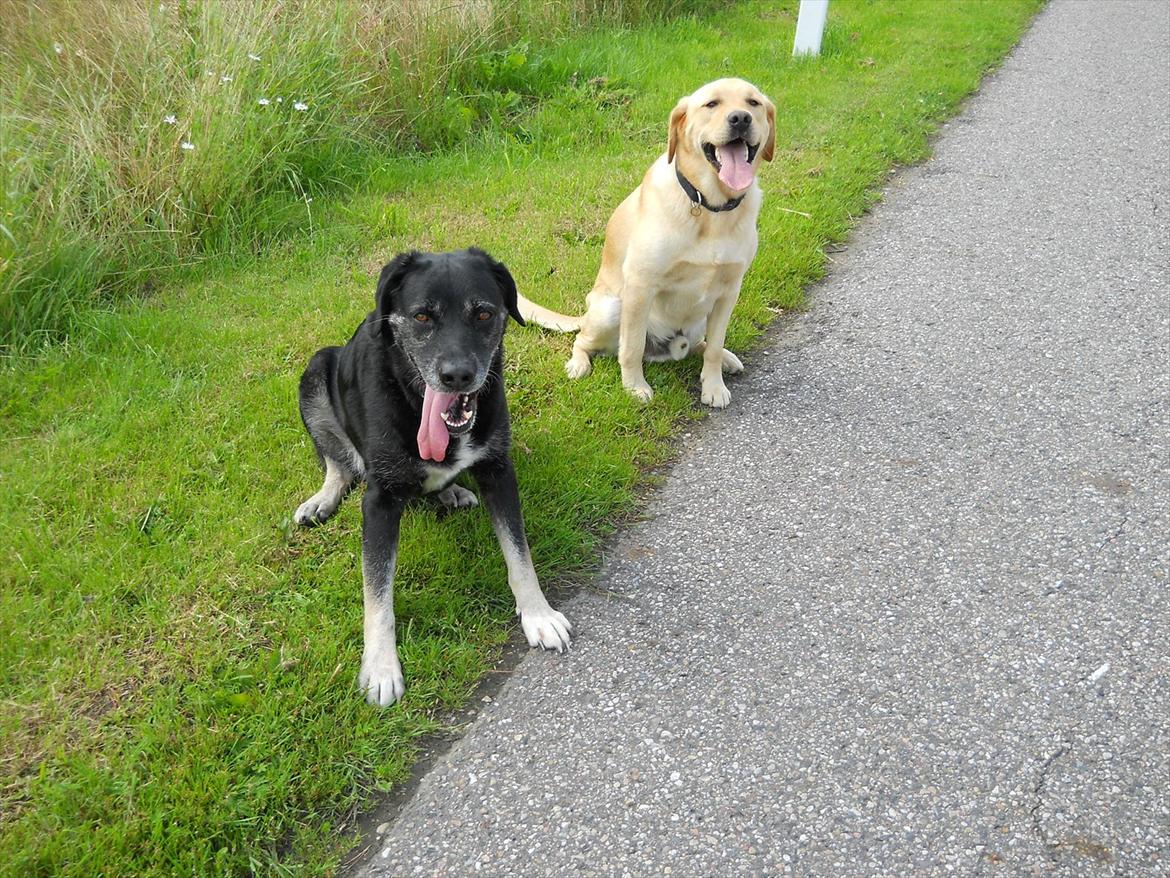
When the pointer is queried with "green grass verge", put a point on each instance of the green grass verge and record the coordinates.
(177, 663)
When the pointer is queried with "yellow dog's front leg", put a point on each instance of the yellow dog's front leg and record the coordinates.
(715, 392)
(636, 301)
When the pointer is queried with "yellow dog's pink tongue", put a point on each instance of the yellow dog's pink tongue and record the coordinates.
(734, 170)
(432, 432)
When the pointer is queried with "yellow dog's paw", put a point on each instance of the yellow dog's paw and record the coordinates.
(731, 363)
(641, 391)
(578, 366)
(728, 361)
(715, 394)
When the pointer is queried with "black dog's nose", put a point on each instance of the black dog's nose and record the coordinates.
(456, 377)
(740, 120)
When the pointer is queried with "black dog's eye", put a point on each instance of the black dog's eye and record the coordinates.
(711, 105)
(483, 315)
(422, 317)
(752, 102)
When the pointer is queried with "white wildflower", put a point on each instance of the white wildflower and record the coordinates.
(58, 48)
(264, 102)
(225, 78)
(170, 119)
(280, 100)
(187, 145)
(252, 56)
(300, 105)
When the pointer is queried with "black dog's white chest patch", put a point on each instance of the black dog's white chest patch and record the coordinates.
(440, 475)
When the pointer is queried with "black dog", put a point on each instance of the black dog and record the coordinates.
(415, 398)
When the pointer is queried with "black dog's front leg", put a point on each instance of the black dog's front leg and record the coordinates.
(543, 626)
(381, 674)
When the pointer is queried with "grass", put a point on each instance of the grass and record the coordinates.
(136, 135)
(178, 663)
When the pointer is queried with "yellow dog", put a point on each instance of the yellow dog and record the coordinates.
(677, 248)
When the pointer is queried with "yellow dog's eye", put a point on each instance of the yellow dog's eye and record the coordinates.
(711, 105)
(753, 102)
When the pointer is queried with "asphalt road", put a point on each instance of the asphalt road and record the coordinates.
(902, 609)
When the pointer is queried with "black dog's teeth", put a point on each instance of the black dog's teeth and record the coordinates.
(461, 411)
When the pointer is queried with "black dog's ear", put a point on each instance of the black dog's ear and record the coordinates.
(393, 273)
(503, 280)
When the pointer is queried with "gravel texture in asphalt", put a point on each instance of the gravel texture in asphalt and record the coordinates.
(902, 608)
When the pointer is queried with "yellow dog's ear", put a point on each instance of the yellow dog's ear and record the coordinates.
(770, 146)
(678, 118)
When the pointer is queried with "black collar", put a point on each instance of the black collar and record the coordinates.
(697, 198)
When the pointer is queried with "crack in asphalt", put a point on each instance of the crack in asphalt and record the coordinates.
(1050, 847)
(1117, 532)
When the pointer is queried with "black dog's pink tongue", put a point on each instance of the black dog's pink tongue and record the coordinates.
(432, 432)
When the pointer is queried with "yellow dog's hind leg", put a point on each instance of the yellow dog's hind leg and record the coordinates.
(598, 335)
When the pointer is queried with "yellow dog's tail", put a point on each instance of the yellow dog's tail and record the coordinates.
(541, 316)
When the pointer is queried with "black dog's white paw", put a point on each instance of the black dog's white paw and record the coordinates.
(547, 628)
(316, 509)
(381, 678)
(456, 497)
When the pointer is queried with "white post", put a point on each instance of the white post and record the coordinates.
(810, 25)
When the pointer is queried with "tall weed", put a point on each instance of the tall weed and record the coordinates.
(136, 136)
